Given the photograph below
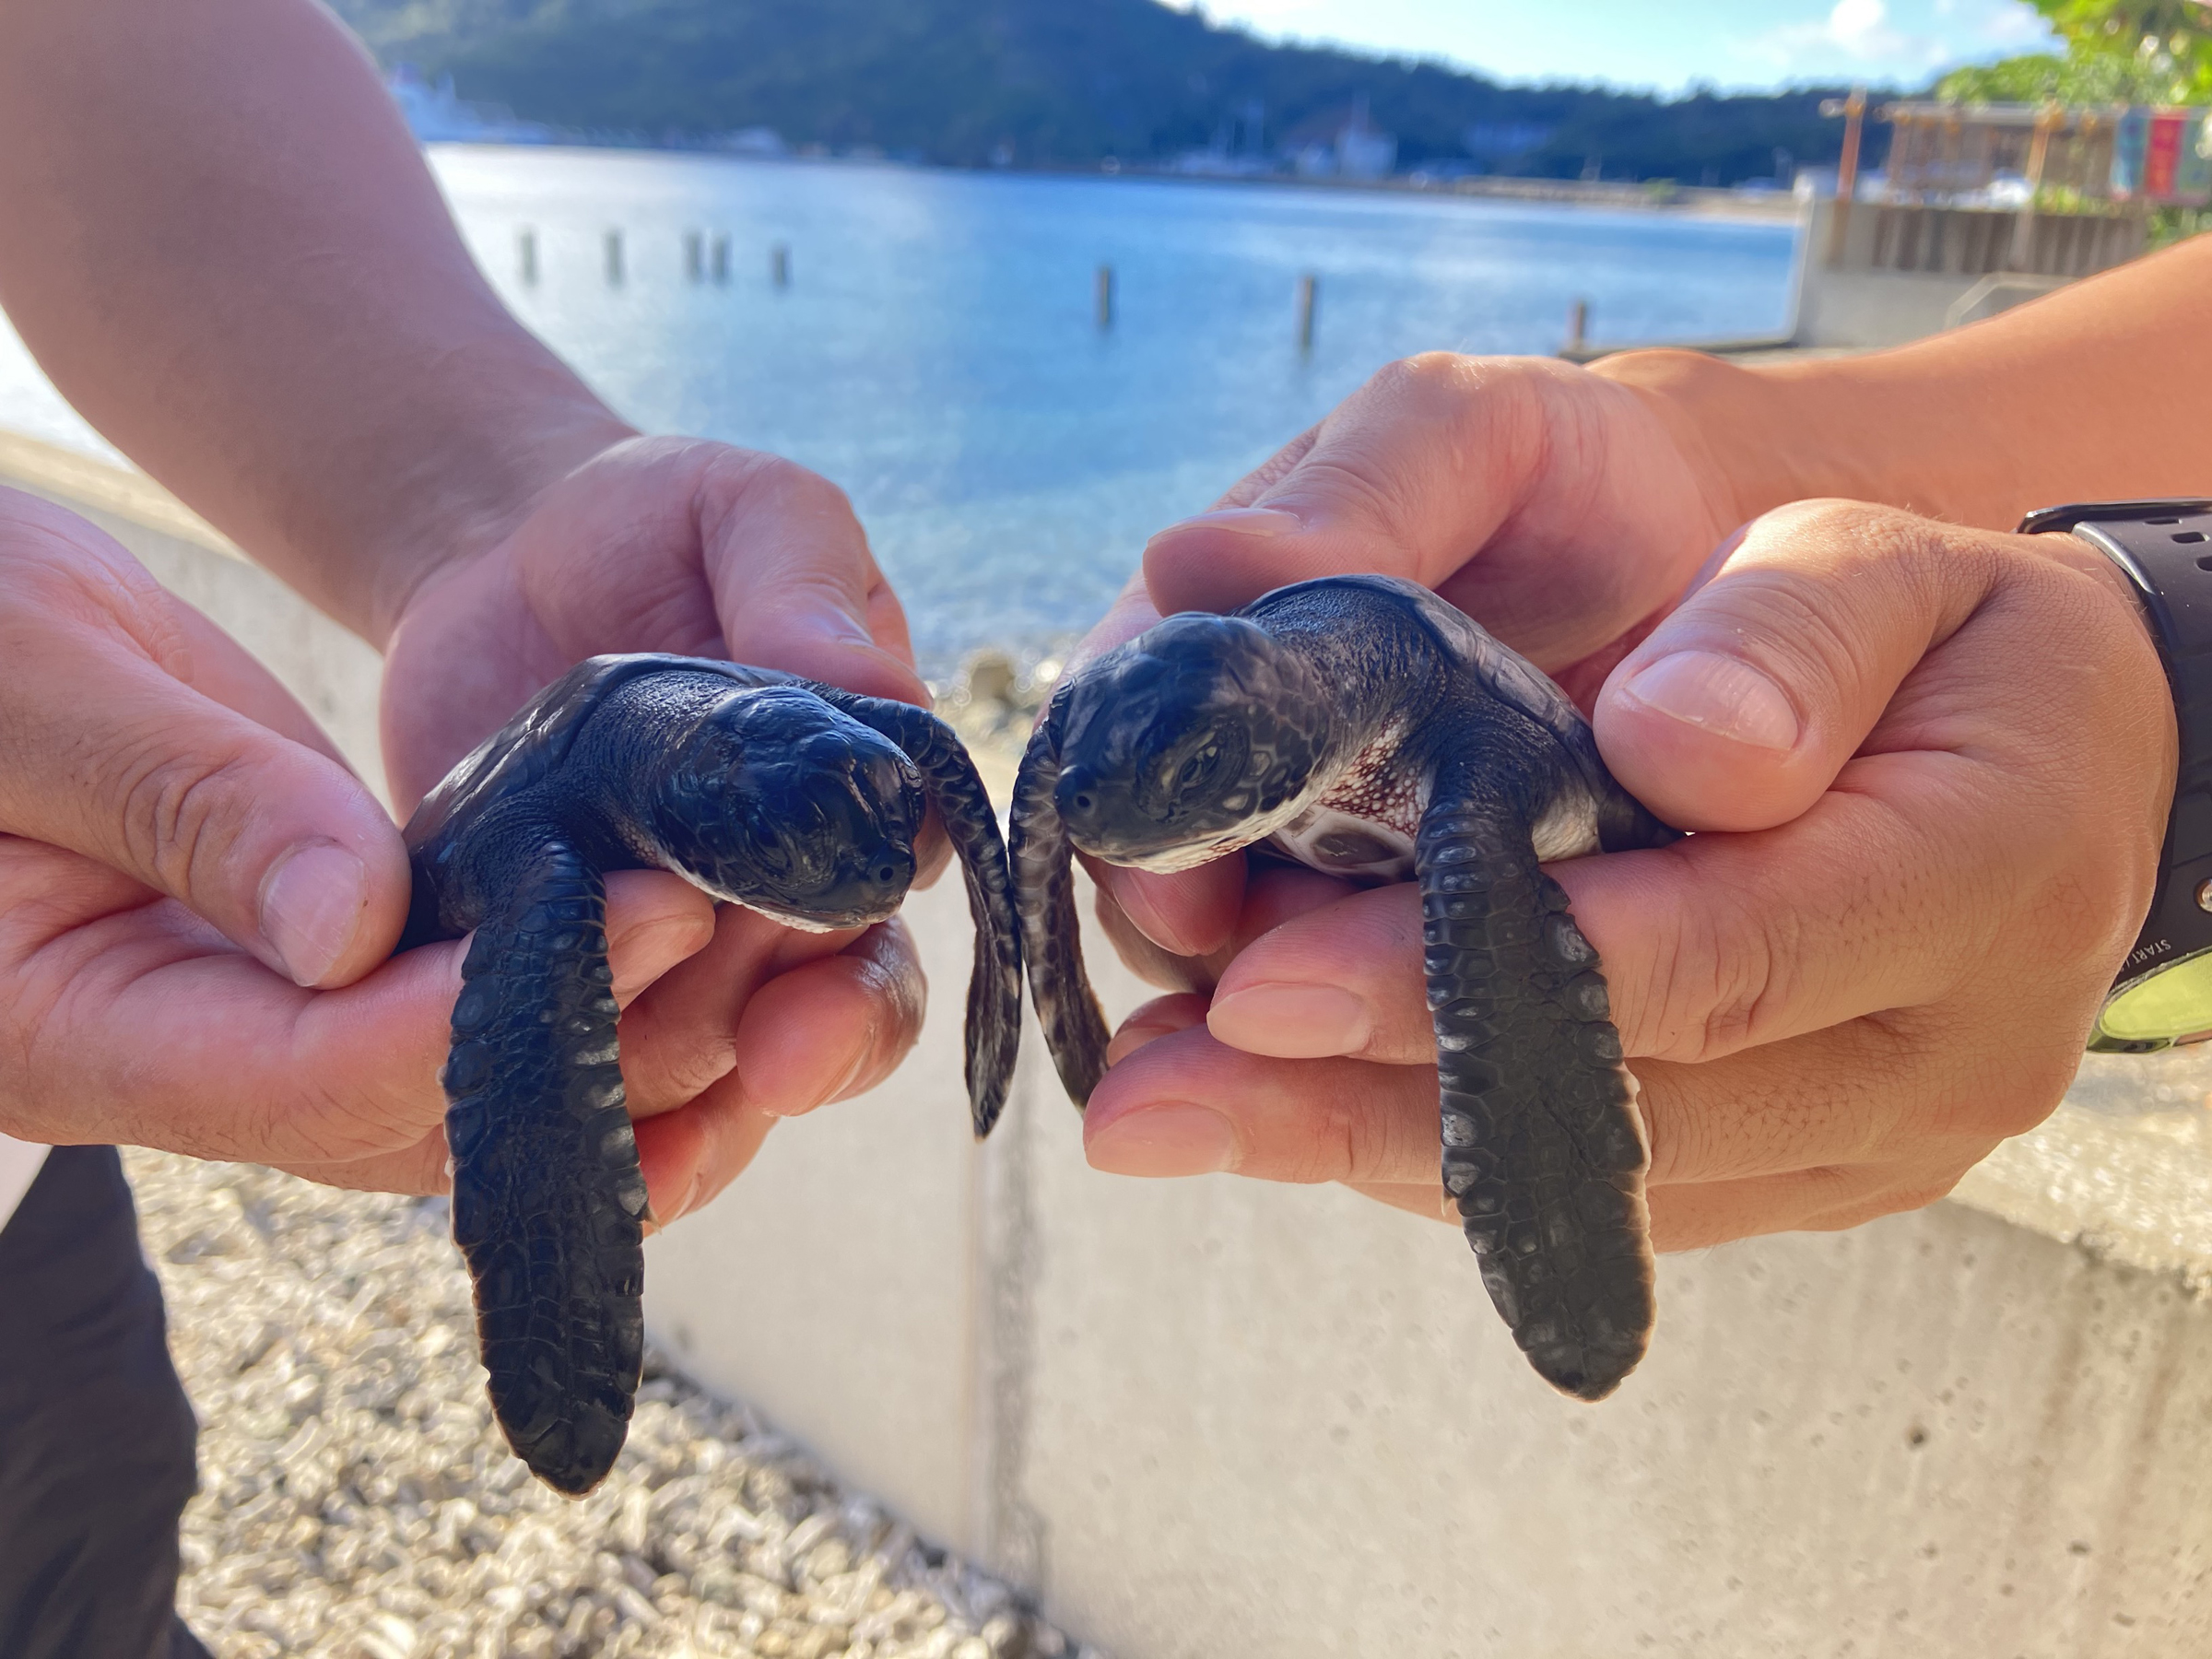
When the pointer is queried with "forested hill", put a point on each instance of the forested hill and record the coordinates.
(1046, 82)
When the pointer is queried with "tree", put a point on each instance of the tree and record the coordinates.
(2155, 51)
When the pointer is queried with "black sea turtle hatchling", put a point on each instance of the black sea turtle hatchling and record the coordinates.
(795, 799)
(1366, 728)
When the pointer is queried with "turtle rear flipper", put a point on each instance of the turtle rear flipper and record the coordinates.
(549, 1201)
(1543, 1146)
(1044, 880)
(994, 1028)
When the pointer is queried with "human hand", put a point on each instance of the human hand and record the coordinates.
(183, 857)
(701, 549)
(1563, 509)
(1930, 768)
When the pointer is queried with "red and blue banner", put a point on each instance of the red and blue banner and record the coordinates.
(2161, 156)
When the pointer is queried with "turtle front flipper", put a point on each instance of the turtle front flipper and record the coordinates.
(994, 1029)
(1052, 937)
(549, 1201)
(1544, 1146)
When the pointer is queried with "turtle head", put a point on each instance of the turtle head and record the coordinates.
(1198, 737)
(783, 804)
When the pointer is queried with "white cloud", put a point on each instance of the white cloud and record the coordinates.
(1995, 25)
(1857, 33)
(1863, 35)
(1862, 27)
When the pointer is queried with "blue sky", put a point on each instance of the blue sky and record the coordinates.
(1665, 43)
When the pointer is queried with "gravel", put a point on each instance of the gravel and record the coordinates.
(356, 1502)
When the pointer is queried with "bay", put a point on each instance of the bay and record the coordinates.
(937, 351)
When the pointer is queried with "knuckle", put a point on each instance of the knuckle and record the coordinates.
(179, 810)
(2027, 1092)
(1426, 378)
(30, 524)
(1886, 548)
(1330, 1143)
(1919, 1188)
(1818, 520)
(1719, 982)
(2086, 914)
(751, 475)
(54, 565)
(1844, 523)
(1360, 1132)
(1915, 1192)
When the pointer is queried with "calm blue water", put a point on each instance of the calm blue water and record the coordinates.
(936, 353)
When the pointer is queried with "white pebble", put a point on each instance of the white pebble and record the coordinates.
(355, 1491)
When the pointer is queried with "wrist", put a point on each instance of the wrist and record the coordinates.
(470, 482)
(1932, 428)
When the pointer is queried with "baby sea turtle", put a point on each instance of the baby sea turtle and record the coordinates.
(797, 800)
(1364, 728)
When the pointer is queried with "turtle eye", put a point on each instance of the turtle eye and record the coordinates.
(1193, 777)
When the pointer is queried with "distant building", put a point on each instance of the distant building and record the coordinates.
(763, 141)
(1363, 150)
(1343, 144)
(435, 114)
(1239, 149)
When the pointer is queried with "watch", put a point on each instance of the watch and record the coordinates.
(2163, 993)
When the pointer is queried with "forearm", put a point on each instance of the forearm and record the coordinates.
(224, 248)
(2100, 391)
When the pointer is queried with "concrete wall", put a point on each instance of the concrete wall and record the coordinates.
(1852, 303)
(1216, 1417)
(1211, 1417)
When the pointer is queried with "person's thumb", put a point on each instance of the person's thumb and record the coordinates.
(1742, 706)
(282, 849)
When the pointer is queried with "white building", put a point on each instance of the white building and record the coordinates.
(1364, 150)
(1351, 147)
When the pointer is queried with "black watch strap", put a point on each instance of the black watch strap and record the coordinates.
(2165, 548)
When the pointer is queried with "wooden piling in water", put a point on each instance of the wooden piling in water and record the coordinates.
(1105, 297)
(1578, 324)
(526, 249)
(779, 265)
(718, 259)
(1307, 285)
(694, 259)
(614, 256)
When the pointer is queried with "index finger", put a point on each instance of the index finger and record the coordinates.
(1563, 482)
(796, 585)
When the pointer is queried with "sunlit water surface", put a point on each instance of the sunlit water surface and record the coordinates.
(938, 352)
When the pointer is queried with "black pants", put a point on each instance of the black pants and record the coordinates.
(96, 1435)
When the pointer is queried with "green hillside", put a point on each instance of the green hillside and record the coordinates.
(1046, 82)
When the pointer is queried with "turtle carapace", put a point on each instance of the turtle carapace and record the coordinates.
(798, 800)
(1366, 728)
